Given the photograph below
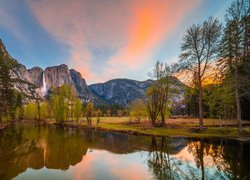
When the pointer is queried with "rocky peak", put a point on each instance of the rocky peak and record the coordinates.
(35, 82)
(36, 76)
(22, 73)
(80, 84)
(56, 76)
(120, 91)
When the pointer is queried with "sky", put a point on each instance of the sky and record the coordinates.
(102, 39)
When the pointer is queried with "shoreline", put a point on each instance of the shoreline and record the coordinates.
(191, 135)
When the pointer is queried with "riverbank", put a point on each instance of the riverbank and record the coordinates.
(180, 127)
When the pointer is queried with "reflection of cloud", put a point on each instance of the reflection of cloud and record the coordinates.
(134, 29)
(209, 161)
(98, 164)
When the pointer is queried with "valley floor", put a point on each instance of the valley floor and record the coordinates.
(178, 127)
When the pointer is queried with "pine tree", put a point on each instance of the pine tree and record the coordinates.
(6, 89)
(235, 61)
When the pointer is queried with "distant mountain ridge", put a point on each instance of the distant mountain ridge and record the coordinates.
(36, 82)
(119, 91)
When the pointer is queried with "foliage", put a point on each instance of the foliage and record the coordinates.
(234, 52)
(159, 94)
(6, 90)
(30, 111)
(89, 112)
(98, 114)
(137, 109)
(199, 48)
(77, 109)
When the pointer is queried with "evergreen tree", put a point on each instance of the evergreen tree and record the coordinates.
(235, 59)
(19, 106)
(6, 90)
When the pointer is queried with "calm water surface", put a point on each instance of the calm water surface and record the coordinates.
(36, 152)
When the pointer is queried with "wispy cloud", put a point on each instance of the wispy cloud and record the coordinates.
(9, 22)
(134, 30)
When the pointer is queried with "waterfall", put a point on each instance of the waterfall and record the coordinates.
(44, 89)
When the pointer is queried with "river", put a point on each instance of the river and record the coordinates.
(39, 152)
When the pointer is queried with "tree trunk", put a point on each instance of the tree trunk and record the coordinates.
(162, 119)
(202, 160)
(238, 109)
(200, 105)
(237, 97)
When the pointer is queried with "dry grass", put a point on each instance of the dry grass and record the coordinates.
(186, 127)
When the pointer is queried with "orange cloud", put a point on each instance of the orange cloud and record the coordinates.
(119, 167)
(135, 30)
(151, 24)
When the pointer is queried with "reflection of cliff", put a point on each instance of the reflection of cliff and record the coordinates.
(63, 151)
(17, 154)
(123, 143)
(55, 148)
(36, 148)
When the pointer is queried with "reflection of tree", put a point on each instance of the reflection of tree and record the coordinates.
(64, 148)
(237, 158)
(58, 148)
(228, 158)
(162, 165)
(17, 153)
(159, 160)
(198, 149)
(36, 147)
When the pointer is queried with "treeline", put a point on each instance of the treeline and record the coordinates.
(203, 46)
(227, 47)
(61, 105)
(10, 99)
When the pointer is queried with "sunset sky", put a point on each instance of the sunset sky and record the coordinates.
(102, 39)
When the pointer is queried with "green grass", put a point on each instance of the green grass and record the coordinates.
(175, 127)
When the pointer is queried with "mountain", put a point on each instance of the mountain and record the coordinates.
(57, 76)
(124, 91)
(119, 91)
(36, 82)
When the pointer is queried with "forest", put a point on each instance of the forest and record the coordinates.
(211, 45)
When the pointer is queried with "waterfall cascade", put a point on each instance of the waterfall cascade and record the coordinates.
(44, 88)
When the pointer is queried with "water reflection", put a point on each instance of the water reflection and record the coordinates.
(34, 151)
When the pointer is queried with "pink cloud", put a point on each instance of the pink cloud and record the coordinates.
(120, 167)
(152, 23)
(134, 29)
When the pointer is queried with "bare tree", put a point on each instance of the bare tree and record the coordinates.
(199, 48)
(158, 95)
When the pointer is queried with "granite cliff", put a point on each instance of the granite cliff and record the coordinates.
(36, 82)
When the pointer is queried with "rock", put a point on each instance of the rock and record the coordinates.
(120, 91)
(36, 76)
(22, 73)
(80, 85)
(56, 76)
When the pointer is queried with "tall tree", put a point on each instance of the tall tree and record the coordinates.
(235, 56)
(77, 108)
(137, 109)
(89, 111)
(199, 48)
(19, 106)
(6, 89)
(158, 95)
